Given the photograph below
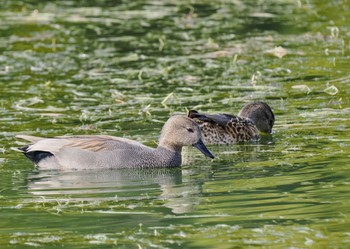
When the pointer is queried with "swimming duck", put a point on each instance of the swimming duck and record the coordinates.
(254, 118)
(102, 151)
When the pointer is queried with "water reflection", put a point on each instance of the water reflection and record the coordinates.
(122, 185)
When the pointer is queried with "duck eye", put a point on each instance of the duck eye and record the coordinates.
(190, 130)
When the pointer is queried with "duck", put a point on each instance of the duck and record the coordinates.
(253, 119)
(84, 152)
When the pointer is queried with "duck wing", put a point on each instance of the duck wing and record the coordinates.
(91, 143)
(221, 119)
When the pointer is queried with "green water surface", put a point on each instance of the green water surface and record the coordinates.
(123, 67)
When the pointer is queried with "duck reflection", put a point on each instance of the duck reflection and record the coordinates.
(119, 184)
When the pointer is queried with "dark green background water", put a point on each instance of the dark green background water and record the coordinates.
(123, 67)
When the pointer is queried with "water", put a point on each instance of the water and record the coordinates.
(121, 68)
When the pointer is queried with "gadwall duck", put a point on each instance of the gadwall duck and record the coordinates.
(102, 152)
(254, 118)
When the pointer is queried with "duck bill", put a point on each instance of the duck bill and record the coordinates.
(202, 148)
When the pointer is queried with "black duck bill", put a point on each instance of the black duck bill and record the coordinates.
(202, 148)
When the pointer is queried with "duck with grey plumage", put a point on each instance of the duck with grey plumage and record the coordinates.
(102, 152)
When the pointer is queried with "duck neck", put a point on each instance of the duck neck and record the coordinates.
(170, 146)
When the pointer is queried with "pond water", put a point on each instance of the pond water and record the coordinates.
(123, 67)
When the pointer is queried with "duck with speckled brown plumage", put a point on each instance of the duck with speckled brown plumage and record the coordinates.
(253, 119)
